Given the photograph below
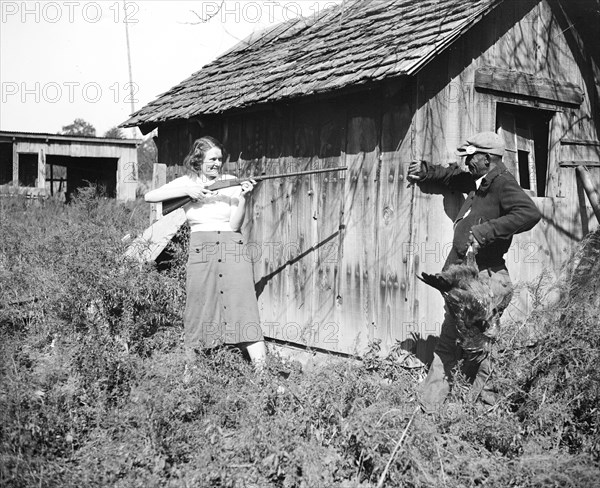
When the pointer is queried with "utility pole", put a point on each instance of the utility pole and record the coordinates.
(131, 90)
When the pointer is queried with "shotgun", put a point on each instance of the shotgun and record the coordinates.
(173, 204)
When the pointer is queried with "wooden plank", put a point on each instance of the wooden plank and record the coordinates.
(159, 178)
(590, 190)
(580, 142)
(580, 152)
(511, 36)
(575, 164)
(504, 43)
(75, 149)
(426, 217)
(556, 132)
(155, 238)
(531, 254)
(571, 214)
(508, 131)
(557, 60)
(393, 307)
(537, 257)
(280, 234)
(183, 142)
(168, 144)
(524, 84)
(297, 208)
(359, 262)
(127, 175)
(270, 222)
(328, 199)
(41, 178)
(525, 143)
(15, 165)
(540, 42)
(574, 156)
(232, 140)
(315, 272)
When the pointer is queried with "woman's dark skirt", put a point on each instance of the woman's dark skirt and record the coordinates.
(221, 306)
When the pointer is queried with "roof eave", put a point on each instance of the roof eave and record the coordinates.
(148, 124)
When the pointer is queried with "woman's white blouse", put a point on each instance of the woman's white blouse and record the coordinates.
(214, 212)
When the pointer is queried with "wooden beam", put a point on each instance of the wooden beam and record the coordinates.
(146, 128)
(155, 238)
(127, 174)
(579, 142)
(15, 165)
(41, 178)
(527, 85)
(590, 191)
(577, 164)
(159, 178)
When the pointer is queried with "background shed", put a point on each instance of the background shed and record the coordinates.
(373, 85)
(52, 164)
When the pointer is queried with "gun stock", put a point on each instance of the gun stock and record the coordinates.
(169, 206)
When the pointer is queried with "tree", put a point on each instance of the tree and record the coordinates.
(147, 153)
(79, 127)
(114, 133)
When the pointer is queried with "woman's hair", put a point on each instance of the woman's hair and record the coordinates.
(193, 161)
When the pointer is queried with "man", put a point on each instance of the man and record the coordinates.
(496, 208)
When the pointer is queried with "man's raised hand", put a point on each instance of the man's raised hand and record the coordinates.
(415, 172)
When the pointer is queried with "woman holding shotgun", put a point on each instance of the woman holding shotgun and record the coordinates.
(221, 306)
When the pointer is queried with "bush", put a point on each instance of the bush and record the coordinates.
(557, 391)
(96, 390)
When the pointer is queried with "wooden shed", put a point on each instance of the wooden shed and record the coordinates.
(373, 85)
(51, 164)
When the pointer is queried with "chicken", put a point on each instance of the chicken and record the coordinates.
(469, 297)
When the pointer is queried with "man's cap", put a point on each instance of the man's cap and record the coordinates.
(483, 142)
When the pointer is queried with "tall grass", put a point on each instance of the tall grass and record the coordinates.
(96, 390)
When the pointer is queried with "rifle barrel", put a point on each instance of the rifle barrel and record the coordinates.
(175, 203)
(298, 173)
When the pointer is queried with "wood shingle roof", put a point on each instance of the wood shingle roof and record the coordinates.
(353, 43)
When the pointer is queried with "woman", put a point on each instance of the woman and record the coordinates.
(221, 306)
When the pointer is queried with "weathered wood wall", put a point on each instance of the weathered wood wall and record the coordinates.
(336, 256)
(528, 37)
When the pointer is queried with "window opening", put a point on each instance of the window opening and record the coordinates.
(28, 169)
(526, 135)
(523, 157)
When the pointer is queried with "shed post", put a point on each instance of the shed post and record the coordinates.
(127, 174)
(159, 178)
(41, 178)
(15, 165)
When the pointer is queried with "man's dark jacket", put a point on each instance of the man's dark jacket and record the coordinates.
(499, 209)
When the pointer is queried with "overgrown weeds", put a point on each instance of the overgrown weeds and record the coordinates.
(96, 390)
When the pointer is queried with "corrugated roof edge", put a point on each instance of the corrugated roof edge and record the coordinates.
(5, 135)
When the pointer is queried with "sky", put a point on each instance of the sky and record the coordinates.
(62, 60)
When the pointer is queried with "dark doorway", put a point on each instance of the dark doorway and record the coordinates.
(68, 173)
(28, 169)
(6, 163)
(56, 180)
